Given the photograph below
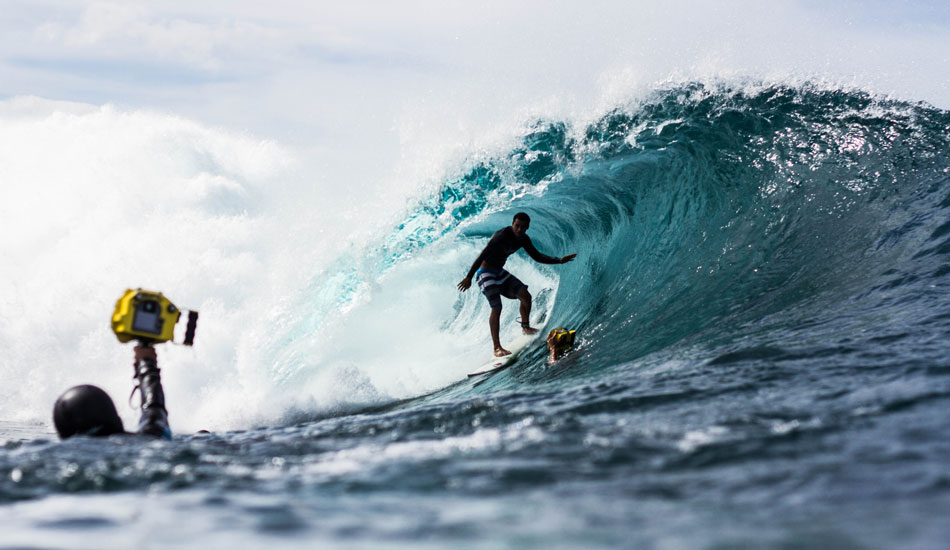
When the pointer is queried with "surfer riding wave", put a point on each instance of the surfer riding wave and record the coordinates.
(495, 282)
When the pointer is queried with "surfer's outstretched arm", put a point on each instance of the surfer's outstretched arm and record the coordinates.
(543, 258)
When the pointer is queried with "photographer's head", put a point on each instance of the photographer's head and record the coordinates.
(86, 410)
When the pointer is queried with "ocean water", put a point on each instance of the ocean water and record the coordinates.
(761, 297)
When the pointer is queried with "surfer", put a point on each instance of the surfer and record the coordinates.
(494, 281)
(560, 341)
(88, 410)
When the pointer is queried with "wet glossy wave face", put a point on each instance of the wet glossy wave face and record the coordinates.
(762, 300)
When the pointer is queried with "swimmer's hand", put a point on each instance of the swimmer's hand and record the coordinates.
(465, 284)
(568, 258)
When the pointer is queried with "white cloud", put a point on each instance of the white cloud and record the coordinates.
(338, 78)
(126, 30)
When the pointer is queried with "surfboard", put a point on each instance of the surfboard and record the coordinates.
(498, 363)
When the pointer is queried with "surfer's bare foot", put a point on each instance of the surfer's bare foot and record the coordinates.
(529, 330)
(501, 352)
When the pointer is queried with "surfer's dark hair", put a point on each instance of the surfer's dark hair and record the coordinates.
(522, 216)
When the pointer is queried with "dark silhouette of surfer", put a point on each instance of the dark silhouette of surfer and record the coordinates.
(495, 282)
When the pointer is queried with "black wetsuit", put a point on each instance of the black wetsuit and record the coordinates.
(154, 419)
(88, 410)
(504, 243)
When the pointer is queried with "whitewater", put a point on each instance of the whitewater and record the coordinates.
(761, 298)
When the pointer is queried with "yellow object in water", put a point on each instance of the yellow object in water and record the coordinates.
(144, 315)
(561, 339)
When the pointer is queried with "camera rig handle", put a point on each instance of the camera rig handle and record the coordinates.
(190, 328)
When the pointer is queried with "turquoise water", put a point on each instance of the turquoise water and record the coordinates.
(762, 300)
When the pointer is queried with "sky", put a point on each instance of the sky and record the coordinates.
(332, 77)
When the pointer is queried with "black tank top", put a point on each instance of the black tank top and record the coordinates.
(504, 243)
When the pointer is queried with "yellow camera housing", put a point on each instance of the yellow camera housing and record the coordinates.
(144, 315)
(562, 339)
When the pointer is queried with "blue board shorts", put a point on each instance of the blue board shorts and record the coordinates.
(496, 283)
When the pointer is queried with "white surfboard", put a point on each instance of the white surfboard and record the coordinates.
(516, 347)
